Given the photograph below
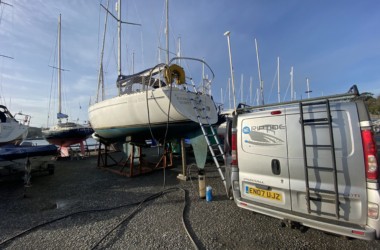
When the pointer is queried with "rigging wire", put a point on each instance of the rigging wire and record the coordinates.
(147, 100)
(141, 33)
(50, 98)
(1, 80)
(1, 13)
(52, 85)
(286, 92)
(159, 34)
(271, 89)
(168, 113)
(98, 45)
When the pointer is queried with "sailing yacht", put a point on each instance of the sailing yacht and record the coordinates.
(155, 103)
(66, 133)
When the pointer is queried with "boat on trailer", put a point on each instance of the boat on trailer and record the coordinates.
(27, 158)
(10, 153)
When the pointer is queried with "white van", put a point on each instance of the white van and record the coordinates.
(313, 162)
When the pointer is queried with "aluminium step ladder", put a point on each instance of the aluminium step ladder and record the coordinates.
(322, 123)
(209, 133)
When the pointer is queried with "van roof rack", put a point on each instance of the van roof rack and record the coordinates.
(352, 93)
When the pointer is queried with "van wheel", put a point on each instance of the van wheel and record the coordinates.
(303, 229)
(347, 238)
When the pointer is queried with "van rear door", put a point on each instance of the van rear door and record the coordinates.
(351, 178)
(263, 165)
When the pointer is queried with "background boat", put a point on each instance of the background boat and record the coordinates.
(13, 129)
(66, 133)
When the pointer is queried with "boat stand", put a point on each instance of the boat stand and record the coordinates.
(135, 163)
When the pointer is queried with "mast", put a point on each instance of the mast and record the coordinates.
(119, 38)
(250, 89)
(101, 72)
(227, 34)
(59, 68)
(203, 70)
(221, 95)
(259, 70)
(291, 85)
(308, 87)
(133, 62)
(119, 23)
(179, 50)
(241, 89)
(167, 31)
(229, 93)
(278, 79)
(257, 96)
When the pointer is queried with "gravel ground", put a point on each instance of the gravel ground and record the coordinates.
(78, 185)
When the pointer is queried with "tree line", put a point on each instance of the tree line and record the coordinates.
(373, 103)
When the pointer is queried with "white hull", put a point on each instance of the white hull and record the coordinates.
(130, 112)
(12, 130)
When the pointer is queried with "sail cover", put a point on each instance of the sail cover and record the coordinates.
(62, 116)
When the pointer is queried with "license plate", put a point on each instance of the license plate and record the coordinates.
(263, 193)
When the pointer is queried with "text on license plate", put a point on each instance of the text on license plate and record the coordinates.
(263, 193)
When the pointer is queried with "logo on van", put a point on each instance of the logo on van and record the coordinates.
(246, 130)
(269, 128)
(263, 139)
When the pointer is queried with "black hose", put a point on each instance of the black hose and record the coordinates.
(140, 203)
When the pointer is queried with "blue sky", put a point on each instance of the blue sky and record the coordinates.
(334, 43)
